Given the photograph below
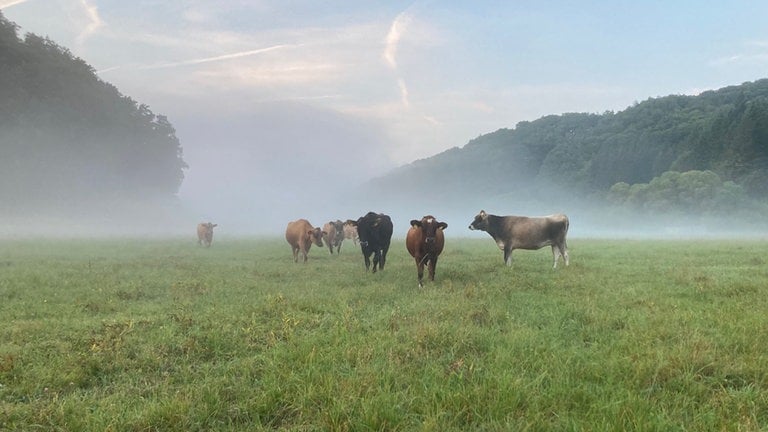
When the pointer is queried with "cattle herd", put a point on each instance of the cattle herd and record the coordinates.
(424, 240)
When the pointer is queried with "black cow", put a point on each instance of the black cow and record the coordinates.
(375, 233)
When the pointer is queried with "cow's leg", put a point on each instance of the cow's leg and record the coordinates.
(367, 259)
(555, 255)
(295, 251)
(376, 260)
(383, 256)
(564, 253)
(420, 270)
(432, 267)
(508, 256)
(305, 253)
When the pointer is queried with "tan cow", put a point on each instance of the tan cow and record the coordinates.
(205, 233)
(300, 235)
(521, 232)
(333, 235)
(350, 232)
(425, 241)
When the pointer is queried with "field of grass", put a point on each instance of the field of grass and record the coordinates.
(138, 335)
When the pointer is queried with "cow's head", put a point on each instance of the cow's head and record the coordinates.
(338, 226)
(480, 222)
(361, 233)
(429, 226)
(316, 235)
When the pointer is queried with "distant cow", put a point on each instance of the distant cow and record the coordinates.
(300, 235)
(205, 233)
(520, 232)
(350, 232)
(333, 235)
(425, 242)
(375, 233)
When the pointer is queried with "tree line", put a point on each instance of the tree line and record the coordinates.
(655, 155)
(66, 135)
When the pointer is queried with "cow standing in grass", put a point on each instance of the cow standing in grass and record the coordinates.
(333, 235)
(425, 241)
(521, 232)
(300, 234)
(375, 233)
(205, 233)
(350, 232)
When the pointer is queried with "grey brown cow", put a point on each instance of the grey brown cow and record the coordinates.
(300, 234)
(425, 241)
(521, 232)
(333, 235)
(205, 233)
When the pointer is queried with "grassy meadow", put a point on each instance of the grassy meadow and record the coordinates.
(143, 335)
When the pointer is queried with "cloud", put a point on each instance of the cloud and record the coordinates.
(396, 31)
(8, 3)
(94, 21)
(403, 93)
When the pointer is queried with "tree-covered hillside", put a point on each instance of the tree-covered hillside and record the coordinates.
(723, 133)
(67, 136)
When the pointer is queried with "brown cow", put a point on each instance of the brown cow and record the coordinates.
(205, 233)
(333, 235)
(520, 232)
(425, 241)
(350, 232)
(300, 235)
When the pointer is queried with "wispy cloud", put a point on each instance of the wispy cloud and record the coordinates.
(396, 31)
(8, 3)
(94, 21)
(218, 58)
(391, 43)
(403, 93)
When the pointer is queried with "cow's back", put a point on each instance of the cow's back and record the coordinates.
(535, 232)
(296, 231)
(330, 232)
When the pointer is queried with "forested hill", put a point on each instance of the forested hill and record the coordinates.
(718, 137)
(67, 136)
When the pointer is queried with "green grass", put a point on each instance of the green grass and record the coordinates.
(138, 335)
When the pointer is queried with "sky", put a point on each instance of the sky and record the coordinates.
(304, 96)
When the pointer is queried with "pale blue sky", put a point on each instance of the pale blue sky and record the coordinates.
(391, 81)
(433, 74)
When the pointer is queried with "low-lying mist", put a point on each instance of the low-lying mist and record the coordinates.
(266, 212)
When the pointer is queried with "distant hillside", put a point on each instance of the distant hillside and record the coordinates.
(578, 155)
(67, 137)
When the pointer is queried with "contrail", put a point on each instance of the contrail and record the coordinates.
(218, 58)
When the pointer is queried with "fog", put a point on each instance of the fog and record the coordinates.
(252, 174)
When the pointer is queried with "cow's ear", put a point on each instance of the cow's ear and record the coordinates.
(416, 223)
(442, 225)
(351, 222)
(482, 213)
(214, 225)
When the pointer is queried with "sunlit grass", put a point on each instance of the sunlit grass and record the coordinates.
(162, 335)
